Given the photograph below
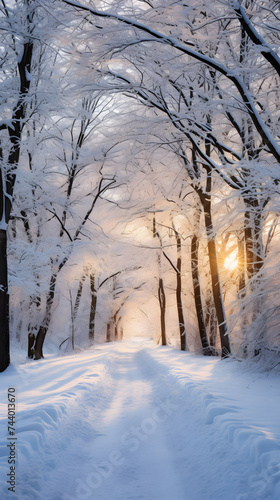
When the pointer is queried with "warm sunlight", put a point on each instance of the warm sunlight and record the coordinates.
(231, 262)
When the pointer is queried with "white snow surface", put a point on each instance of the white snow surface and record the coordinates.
(131, 421)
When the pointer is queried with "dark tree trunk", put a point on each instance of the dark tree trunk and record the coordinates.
(108, 332)
(205, 198)
(30, 349)
(34, 300)
(211, 321)
(40, 337)
(216, 287)
(253, 237)
(74, 310)
(72, 322)
(241, 291)
(248, 234)
(7, 183)
(4, 304)
(241, 267)
(197, 295)
(115, 325)
(93, 302)
(162, 305)
(254, 262)
(214, 269)
(161, 292)
(182, 326)
(79, 296)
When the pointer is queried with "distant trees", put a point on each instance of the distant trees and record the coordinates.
(160, 287)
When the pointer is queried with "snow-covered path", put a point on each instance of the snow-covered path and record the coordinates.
(129, 421)
(131, 457)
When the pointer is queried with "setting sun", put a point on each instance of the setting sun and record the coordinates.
(231, 262)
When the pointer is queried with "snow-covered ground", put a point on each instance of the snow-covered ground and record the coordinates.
(131, 421)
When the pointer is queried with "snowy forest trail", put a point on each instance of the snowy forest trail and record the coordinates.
(131, 421)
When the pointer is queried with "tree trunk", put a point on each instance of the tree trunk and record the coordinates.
(7, 183)
(108, 332)
(40, 337)
(211, 321)
(78, 296)
(115, 325)
(162, 305)
(241, 293)
(93, 302)
(253, 237)
(215, 277)
(34, 302)
(75, 308)
(161, 293)
(241, 268)
(182, 327)
(30, 349)
(4, 303)
(72, 321)
(197, 295)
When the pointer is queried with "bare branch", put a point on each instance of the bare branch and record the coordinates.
(108, 278)
(61, 223)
